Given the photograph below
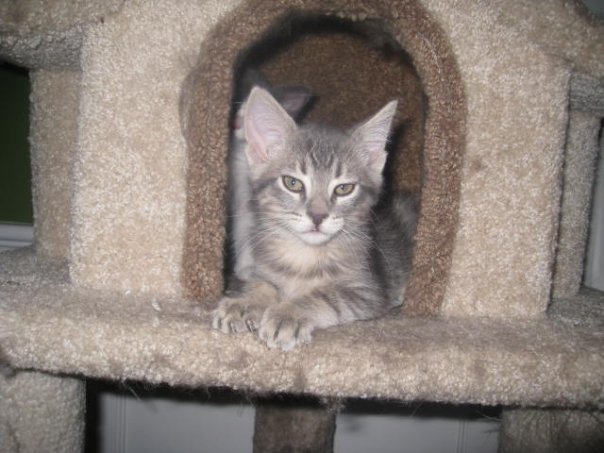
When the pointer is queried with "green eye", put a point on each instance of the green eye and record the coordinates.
(342, 190)
(293, 184)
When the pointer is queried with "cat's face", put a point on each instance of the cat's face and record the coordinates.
(310, 182)
(317, 193)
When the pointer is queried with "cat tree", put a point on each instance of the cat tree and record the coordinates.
(501, 107)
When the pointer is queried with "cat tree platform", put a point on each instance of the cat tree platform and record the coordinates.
(557, 361)
(499, 118)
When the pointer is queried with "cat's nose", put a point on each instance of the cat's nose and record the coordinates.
(318, 218)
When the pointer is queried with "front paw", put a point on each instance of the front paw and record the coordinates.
(281, 327)
(236, 315)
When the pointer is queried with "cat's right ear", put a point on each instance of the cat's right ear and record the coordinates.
(371, 137)
(266, 125)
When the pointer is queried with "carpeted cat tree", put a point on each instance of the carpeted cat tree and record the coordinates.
(500, 110)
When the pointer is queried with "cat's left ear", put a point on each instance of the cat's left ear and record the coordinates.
(266, 125)
(371, 136)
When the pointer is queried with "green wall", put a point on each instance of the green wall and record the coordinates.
(15, 169)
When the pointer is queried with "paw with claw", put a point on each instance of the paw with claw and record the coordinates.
(284, 328)
(236, 315)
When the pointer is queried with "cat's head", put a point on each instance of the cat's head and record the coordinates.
(309, 181)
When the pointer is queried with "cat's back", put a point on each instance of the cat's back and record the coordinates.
(399, 213)
(395, 222)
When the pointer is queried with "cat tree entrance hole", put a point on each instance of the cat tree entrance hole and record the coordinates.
(352, 70)
(353, 65)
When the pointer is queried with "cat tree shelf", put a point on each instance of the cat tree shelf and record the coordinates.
(554, 361)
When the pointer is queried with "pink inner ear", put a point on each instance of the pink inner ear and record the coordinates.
(257, 147)
(373, 135)
(377, 159)
(374, 155)
(265, 124)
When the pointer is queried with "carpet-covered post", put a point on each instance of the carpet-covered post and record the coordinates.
(41, 413)
(279, 428)
(551, 431)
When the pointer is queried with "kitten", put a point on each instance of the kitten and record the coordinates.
(293, 99)
(324, 251)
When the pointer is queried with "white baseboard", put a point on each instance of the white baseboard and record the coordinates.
(594, 263)
(13, 235)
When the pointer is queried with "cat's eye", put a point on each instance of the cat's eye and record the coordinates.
(342, 190)
(292, 184)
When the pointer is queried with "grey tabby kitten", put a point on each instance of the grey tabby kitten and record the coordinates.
(323, 253)
(293, 99)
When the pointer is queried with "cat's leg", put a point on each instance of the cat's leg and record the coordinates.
(243, 312)
(288, 324)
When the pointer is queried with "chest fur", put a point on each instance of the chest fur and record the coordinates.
(298, 268)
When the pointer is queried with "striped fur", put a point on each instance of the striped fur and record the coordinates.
(326, 249)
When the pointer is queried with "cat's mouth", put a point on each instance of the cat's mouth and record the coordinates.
(312, 234)
(315, 236)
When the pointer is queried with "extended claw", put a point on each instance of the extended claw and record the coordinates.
(251, 325)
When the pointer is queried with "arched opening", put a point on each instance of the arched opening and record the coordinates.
(353, 63)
